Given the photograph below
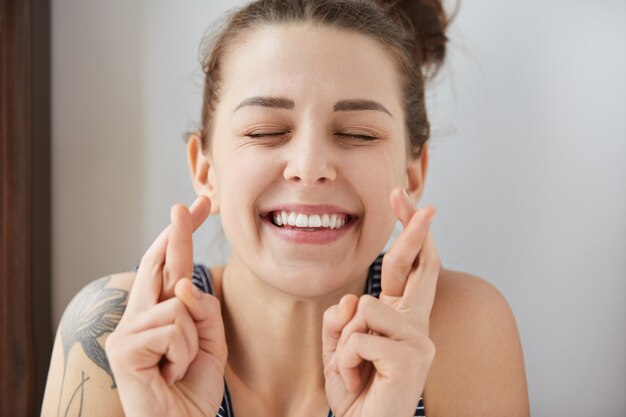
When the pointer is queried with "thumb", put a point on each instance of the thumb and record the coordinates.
(335, 319)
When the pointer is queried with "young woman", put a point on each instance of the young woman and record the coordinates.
(313, 144)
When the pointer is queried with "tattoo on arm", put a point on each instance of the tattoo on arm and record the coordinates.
(96, 310)
(81, 387)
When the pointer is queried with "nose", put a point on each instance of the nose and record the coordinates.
(309, 159)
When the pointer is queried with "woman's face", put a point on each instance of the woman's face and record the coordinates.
(309, 123)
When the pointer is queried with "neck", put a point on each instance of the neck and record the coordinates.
(274, 339)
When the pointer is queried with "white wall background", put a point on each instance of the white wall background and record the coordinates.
(528, 165)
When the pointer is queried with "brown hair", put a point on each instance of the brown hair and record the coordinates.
(414, 30)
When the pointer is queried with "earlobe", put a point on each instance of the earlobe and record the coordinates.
(202, 171)
(416, 174)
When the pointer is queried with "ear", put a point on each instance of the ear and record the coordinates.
(416, 174)
(202, 171)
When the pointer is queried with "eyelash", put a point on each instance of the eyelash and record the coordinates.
(365, 138)
(263, 135)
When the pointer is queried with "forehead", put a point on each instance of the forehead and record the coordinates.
(309, 61)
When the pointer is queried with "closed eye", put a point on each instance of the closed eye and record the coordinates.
(265, 134)
(358, 136)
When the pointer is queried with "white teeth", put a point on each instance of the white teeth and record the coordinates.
(333, 221)
(302, 221)
(325, 220)
(315, 221)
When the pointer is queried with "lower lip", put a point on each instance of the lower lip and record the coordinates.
(317, 237)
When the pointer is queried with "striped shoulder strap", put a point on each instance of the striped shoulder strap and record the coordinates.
(202, 278)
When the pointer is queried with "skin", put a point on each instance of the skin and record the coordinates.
(321, 343)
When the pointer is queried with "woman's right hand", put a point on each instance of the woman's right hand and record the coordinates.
(169, 350)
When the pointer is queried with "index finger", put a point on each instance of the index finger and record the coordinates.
(419, 294)
(146, 289)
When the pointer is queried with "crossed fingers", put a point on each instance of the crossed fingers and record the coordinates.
(410, 268)
(155, 314)
(379, 330)
(168, 259)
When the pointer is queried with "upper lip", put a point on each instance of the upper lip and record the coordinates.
(308, 209)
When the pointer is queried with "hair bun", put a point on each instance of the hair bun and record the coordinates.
(428, 21)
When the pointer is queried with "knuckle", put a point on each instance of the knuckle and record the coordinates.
(178, 308)
(172, 332)
(427, 350)
(366, 301)
(354, 339)
(391, 260)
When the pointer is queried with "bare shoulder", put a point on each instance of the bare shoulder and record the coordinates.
(458, 291)
(479, 365)
(80, 381)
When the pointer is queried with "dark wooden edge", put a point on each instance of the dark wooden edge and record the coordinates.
(41, 198)
(25, 324)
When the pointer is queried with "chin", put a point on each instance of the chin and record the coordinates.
(311, 283)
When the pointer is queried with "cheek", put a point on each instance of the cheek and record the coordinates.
(242, 177)
(376, 177)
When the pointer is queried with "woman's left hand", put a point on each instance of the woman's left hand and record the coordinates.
(377, 352)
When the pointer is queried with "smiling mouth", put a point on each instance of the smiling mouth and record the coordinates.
(309, 223)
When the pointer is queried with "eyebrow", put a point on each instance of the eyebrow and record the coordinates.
(274, 102)
(285, 103)
(350, 105)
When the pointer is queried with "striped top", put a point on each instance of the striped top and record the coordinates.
(202, 280)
